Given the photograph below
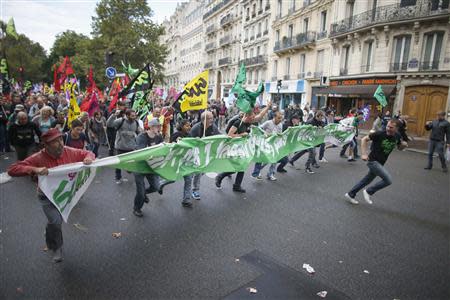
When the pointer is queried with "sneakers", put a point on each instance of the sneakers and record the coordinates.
(350, 199)
(272, 178)
(238, 189)
(124, 179)
(309, 171)
(218, 182)
(57, 255)
(186, 204)
(323, 160)
(138, 213)
(259, 177)
(351, 159)
(120, 180)
(367, 197)
(195, 195)
(282, 170)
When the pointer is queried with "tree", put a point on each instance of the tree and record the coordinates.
(125, 28)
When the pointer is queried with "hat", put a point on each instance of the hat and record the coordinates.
(153, 122)
(19, 107)
(50, 135)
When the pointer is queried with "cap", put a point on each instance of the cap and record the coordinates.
(154, 122)
(19, 107)
(50, 135)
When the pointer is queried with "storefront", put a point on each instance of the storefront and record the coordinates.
(291, 92)
(345, 94)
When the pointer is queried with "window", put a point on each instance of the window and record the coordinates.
(266, 25)
(277, 36)
(254, 9)
(349, 9)
(288, 66)
(404, 3)
(251, 52)
(319, 63)
(246, 34)
(265, 49)
(432, 47)
(302, 65)
(258, 49)
(368, 56)
(260, 4)
(292, 5)
(248, 12)
(323, 21)
(305, 25)
(259, 28)
(345, 57)
(290, 31)
(245, 54)
(279, 7)
(401, 52)
(275, 67)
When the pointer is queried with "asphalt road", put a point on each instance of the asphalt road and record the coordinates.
(397, 248)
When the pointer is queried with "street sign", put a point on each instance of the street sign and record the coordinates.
(111, 72)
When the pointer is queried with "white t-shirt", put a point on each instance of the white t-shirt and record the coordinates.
(270, 128)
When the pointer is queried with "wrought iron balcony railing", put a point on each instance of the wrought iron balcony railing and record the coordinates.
(318, 74)
(301, 75)
(300, 41)
(225, 40)
(225, 61)
(429, 65)
(396, 67)
(208, 65)
(226, 20)
(210, 46)
(388, 13)
(216, 8)
(322, 35)
(257, 60)
(210, 29)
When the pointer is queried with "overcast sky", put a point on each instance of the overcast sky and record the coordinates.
(42, 20)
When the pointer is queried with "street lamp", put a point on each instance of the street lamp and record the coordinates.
(278, 89)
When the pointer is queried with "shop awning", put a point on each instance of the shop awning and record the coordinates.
(354, 91)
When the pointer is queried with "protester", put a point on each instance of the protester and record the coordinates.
(4, 114)
(127, 128)
(385, 119)
(60, 122)
(44, 119)
(21, 135)
(35, 109)
(376, 126)
(270, 127)
(439, 136)
(241, 128)
(383, 142)
(294, 121)
(403, 127)
(53, 155)
(97, 130)
(152, 136)
(76, 138)
(352, 146)
(12, 118)
(111, 131)
(316, 122)
(222, 115)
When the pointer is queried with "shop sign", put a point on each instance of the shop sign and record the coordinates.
(363, 81)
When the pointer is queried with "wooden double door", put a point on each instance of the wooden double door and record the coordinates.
(421, 103)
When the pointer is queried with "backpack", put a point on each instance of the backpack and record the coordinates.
(123, 121)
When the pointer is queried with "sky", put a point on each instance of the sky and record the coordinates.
(42, 20)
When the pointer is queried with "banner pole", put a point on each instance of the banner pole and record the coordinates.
(204, 124)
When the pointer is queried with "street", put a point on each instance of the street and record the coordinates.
(397, 248)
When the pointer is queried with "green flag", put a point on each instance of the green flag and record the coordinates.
(379, 95)
(11, 29)
(245, 99)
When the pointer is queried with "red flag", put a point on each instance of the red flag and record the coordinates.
(56, 83)
(114, 93)
(66, 67)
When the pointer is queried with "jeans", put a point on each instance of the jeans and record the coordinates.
(437, 146)
(53, 231)
(152, 179)
(118, 171)
(259, 166)
(237, 181)
(311, 156)
(95, 148)
(283, 162)
(111, 136)
(188, 183)
(375, 169)
(353, 144)
(321, 151)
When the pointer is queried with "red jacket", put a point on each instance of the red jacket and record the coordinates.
(43, 159)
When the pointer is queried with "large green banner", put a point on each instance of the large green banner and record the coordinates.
(225, 154)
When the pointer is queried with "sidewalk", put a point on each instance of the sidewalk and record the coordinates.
(416, 144)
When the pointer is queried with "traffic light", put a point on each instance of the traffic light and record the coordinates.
(279, 84)
(109, 58)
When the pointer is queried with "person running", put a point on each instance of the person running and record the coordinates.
(439, 136)
(316, 121)
(53, 154)
(270, 127)
(76, 138)
(241, 128)
(151, 137)
(383, 142)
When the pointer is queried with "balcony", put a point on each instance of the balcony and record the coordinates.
(301, 75)
(210, 46)
(429, 65)
(322, 35)
(208, 65)
(398, 67)
(225, 40)
(216, 8)
(265, 32)
(302, 40)
(210, 29)
(260, 11)
(318, 74)
(227, 20)
(257, 60)
(245, 40)
(252, 38)
(258, 35)
(343, 72)
(387, 14)
(287, 77)
(224, 61)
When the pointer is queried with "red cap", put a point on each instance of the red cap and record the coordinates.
(50, 135)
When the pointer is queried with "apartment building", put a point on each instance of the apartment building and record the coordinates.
(402, 45)
(255, 41)
(300, 51)
(223, 33)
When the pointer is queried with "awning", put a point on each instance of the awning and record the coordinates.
(353, 91)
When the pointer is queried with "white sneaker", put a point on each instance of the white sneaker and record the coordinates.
(272, 178)
(323, 160)
(124, 180)
(350, 199)
(367, 197)
(118, 181)
(259, 177)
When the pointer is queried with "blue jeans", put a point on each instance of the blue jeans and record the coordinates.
(188, 183)
(311, 156)
(437, 146)
(375, 169)
(283, 162)
(152, 179)
(259, 166)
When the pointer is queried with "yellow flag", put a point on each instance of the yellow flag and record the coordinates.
(74, 109)
(196, 93)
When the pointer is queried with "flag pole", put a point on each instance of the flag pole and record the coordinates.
(204, 124)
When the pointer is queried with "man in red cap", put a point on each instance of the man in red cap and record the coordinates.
(54, 154)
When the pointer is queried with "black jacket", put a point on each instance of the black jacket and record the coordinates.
(23, 135)
(440, 130)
